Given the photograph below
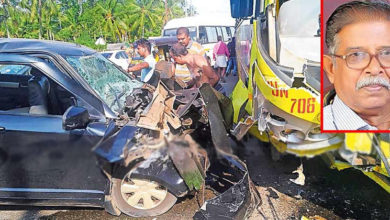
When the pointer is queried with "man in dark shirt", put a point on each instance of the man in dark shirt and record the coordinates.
(232, 63)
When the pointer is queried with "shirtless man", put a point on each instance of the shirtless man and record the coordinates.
(201, 71)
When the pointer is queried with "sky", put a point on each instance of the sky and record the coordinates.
(212, 6)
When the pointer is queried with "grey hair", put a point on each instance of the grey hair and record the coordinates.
(335, 44)
(353, 12)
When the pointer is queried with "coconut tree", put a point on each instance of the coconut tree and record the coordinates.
(70, 28)
(38, 9)
(145, 14)
(173, 9)
(111, 13)
(12, 18)
(50, 18)
(4, 15)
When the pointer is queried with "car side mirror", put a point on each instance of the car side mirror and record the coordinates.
(75, 118)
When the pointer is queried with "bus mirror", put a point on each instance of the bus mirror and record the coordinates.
(241, 8)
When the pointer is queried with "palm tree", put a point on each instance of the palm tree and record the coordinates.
(67, 19)
(69, 25)
(39, 8)
(18, 19)
(144, 14)
(111, 12)
(173, 9)
(50, 17)
(4, 15)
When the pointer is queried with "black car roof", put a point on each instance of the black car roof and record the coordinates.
(159, 41)
(58, 47)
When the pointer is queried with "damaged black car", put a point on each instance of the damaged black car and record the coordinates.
(77, 131)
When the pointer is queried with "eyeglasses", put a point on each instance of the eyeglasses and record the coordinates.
(361, 59)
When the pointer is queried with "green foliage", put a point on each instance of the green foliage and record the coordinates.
(86, 40)
(193, 180)
(84, 21)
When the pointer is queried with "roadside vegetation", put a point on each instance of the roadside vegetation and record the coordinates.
(84, 21)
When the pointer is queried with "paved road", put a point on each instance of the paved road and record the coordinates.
(327, 193)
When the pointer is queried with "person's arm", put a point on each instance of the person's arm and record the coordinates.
(209, 75)
(173, 69)
(215, 51)
(138, 67)
(213, 78)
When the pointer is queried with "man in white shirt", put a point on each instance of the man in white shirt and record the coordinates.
(149, 63)
(358, 65)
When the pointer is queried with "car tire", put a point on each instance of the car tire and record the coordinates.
(140, 197)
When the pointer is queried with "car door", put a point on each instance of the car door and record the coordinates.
(41, 163)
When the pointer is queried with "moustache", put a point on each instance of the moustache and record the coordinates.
(372, 80)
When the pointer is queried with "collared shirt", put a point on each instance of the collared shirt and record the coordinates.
(181, 71)
(147, 73)
(338, 116)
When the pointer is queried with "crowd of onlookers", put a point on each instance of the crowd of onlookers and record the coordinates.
(189, 61)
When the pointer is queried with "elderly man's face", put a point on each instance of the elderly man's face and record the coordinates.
(368, 37)
(183, 39)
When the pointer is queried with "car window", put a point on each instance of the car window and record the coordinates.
(232, 30)
(107, 55)
(125, 55)
(15, 69)
(172, 32)
(211, 34)
(225, 34)
(25, 89)
(193, 33)
(202, 35)
(118, 55)
(228, 31)
(219, 32)
(111, 84)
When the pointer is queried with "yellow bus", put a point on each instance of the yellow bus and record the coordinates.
(278, 99)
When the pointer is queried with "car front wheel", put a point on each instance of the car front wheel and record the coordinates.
(140, 197)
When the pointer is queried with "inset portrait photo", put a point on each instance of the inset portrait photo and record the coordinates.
(356, 66)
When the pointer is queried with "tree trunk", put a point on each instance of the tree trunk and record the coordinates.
(5, 4)
(166, 12)
(81, 7)
(40, 18)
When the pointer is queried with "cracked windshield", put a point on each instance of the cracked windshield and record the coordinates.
(110, 83)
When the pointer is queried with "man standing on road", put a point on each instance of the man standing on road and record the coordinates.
(357, 35)
(200, 69)
(147, 66)
(232, 63)
(220, 55)
(183, 37)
